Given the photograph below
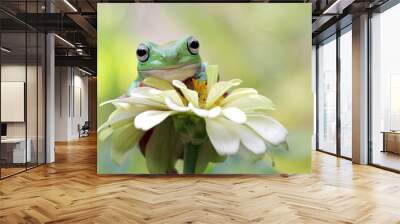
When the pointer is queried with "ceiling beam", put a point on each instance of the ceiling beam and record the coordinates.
(337, 7)
(81, 61)
(86, 26)
(320, 22)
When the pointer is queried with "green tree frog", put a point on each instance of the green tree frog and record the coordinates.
(175, 60)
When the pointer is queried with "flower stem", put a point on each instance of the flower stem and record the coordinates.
(190, 158)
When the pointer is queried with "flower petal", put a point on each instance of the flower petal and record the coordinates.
(212, 76)
(219, 89)
(214, 112)
(158, 83)
(104, 133)
(171, 105)
(234, 114)
(107, 102)
(222, 136)
(190, 95)
(251, 103)
(140, 95)
(250, 139)
(131, 103)
(163, 148)
(268, 128)
(145, 96)
(151, 118)
(124, 106)
(198, 111)
(123, 139)
(175, 97)
(238, 93)
(153, 102)
(249, 156)
(144, 92)
(115, 116)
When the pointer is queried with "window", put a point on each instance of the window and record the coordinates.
(22, 77)
(334, 106)
(346, 92)
(327, 95)
(385, 89)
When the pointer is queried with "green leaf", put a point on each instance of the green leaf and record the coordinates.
(123, 139)
(163, 149)
(206, 155)
(209, 168)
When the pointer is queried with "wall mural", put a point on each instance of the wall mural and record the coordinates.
(204, 88)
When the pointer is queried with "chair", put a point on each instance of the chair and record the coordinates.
(84, 130)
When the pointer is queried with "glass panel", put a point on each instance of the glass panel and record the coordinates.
(346, 94)
(32, 85)
(386, 89)
(327, 96)
(13, 86)
(23, 90)
(41, 98)
(32, 96)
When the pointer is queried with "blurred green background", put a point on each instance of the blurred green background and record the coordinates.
(268, 46)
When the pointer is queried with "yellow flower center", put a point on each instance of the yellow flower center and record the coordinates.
(200, 86)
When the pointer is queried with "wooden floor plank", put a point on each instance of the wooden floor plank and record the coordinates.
(70, 191)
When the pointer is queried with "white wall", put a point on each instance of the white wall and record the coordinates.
(71, 102)
(61, 103)
(13, 101)
(80, 108)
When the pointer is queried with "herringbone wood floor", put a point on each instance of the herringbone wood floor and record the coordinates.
(70, 191)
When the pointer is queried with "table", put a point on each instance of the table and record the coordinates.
(18, 150)
(391, 141)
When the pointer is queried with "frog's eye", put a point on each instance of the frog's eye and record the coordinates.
(142, 53)
(193, 45)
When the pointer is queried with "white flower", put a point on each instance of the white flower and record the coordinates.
(238, 118)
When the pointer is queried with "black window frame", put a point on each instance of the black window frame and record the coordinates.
(333, 37)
